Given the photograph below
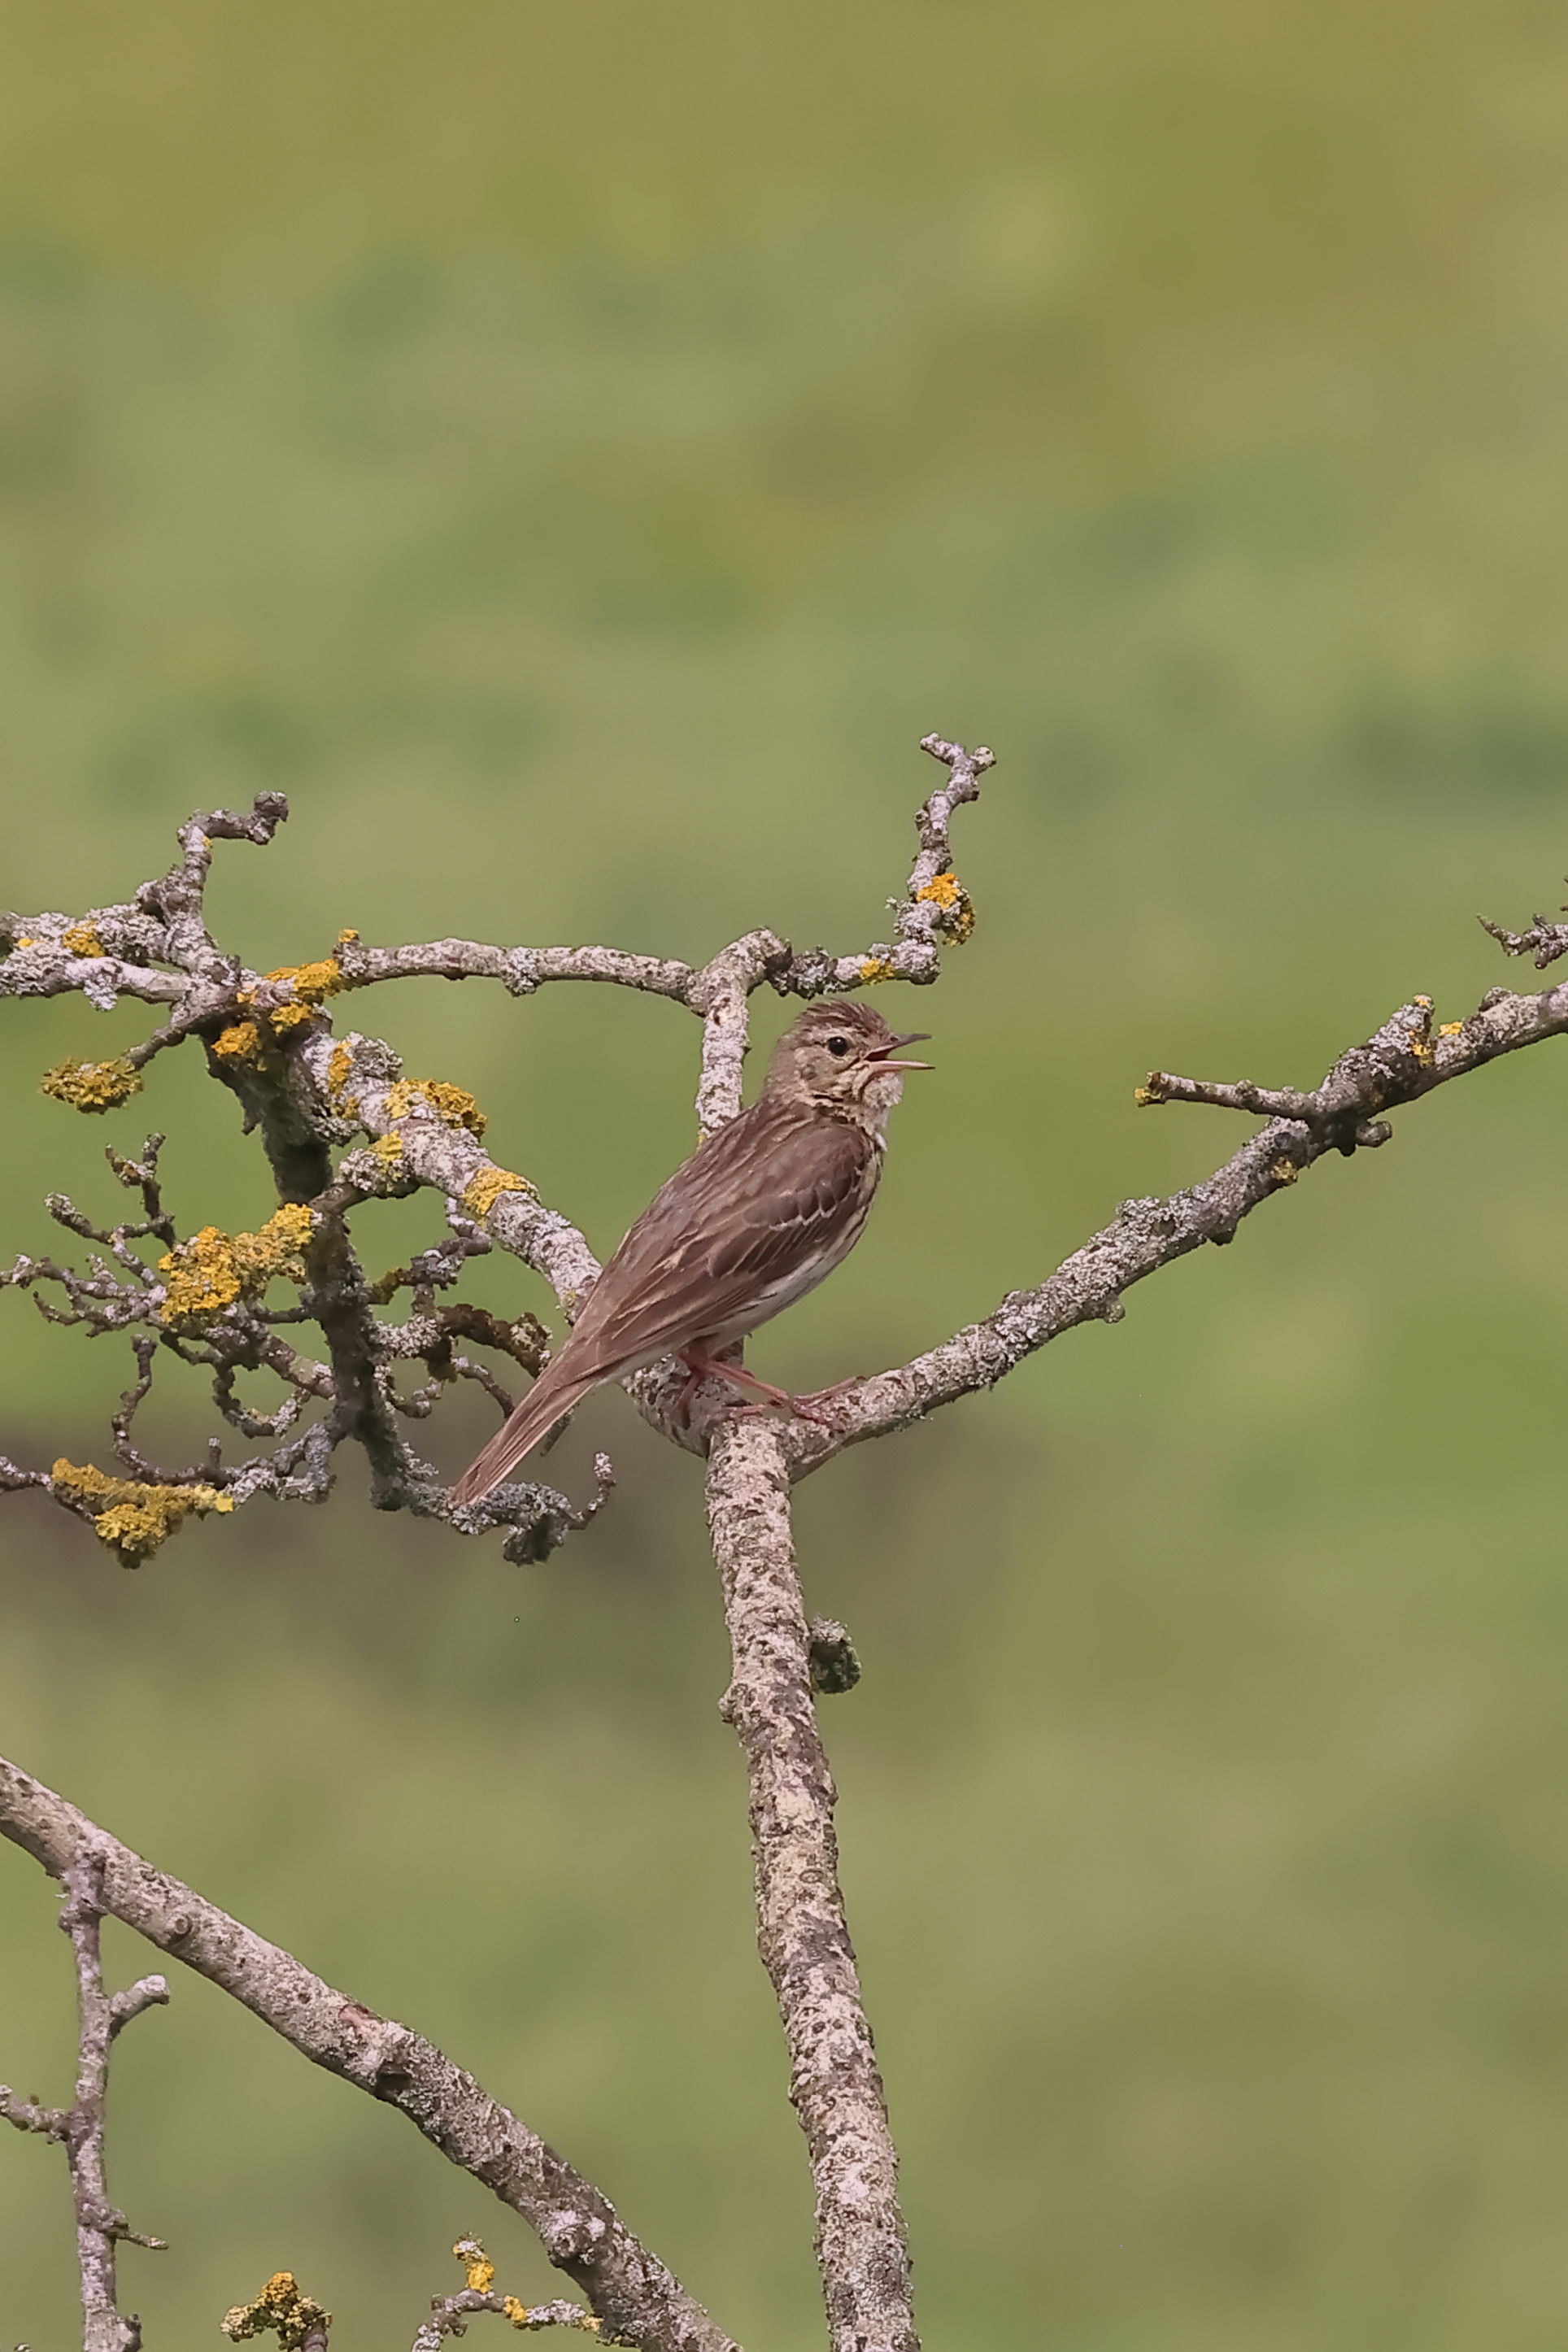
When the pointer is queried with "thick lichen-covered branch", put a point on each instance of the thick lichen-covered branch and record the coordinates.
(627, 2286)
(205, 1300)
(269, 1037)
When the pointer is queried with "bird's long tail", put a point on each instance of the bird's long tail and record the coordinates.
(550, 1399)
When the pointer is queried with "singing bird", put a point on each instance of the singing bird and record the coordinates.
(753, 1219)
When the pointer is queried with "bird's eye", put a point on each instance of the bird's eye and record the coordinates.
(840, 1046)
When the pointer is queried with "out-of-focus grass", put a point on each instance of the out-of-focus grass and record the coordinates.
(575, 454)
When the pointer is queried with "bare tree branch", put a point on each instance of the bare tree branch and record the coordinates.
(100, 2018)
(1407, 1058)
(802, 1933)
(627, 2286)
(1544, 941)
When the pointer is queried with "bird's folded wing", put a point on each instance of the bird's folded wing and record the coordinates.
(763, 1199)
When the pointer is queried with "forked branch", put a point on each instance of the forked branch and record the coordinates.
(100, 2228)
(311, 1093)
(627, 2287)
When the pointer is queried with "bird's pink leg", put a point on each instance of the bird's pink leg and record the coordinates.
(702, 1364)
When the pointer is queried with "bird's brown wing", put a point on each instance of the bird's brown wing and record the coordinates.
(758, 1203)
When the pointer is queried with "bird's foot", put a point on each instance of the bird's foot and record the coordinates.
(763, 1396)
(821, 1405)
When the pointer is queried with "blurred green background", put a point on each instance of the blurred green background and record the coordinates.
(575, 452)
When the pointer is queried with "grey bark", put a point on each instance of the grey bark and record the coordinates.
(802, 1932)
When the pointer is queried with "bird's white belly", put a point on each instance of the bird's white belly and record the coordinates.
(774, 1296)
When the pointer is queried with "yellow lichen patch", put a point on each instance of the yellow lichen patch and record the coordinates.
(276, 1249)
(92, 1085)
(388, 1149)
(1450, 1028)
(960, 924)
(1284, 1171)
(946, 891)
(309, 986)
(481, 2271)
(348, 938)
(212, 1269)
(340, 1062)
(485, 1190)
(453, 1106)
(281, 2309)
(81, 939)
(514, 2311)
(1420, 1047)
(1149, 1093)
(136, 1518)
(875, 968)
(241, 1042)
(312, 982)
(203, 1279)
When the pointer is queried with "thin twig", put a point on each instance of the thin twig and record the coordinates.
(99, 2226)
(1409, 1057)
(451, 2313)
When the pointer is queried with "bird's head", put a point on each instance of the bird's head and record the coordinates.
(842, 1057)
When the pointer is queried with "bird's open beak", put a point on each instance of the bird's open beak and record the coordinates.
(910, 1037)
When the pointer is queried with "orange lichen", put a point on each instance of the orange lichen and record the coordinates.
(210, 1272)
(136, 1518)
(875, 968)
(241, 1042)
(946, 891)
(453, 1106)
(309, 986)
(92, 1085)
(81, 939)
(282, 2309)
(481, 2271)
(1450, 1028)
(485, 1190)
(312, 982)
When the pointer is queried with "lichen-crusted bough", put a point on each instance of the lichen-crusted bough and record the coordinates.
(341, 1125)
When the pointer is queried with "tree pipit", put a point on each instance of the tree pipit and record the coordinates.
(757, 1216)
